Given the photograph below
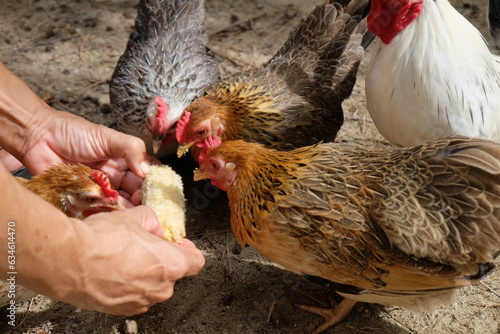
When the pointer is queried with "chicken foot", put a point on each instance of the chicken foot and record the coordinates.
(333, 315)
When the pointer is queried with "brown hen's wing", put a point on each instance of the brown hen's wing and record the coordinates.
(431, 210)
(448, 196)
(306, 82)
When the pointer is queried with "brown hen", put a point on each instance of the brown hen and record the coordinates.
(76, 190)
(295, 99)
(397, 227)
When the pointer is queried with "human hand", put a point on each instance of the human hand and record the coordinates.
(60, 137)
(126, 267)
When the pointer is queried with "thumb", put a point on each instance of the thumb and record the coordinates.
(147, 219)
(131, 149)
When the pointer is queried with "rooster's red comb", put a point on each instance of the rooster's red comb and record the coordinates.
(102, 180)
(210, 143)
(181, 131)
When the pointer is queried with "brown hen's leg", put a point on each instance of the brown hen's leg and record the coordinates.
(333, 315)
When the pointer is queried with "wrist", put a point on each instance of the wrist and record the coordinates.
(46, 242)
(21, 112)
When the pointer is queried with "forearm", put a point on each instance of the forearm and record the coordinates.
(20, 107)
(37, 237)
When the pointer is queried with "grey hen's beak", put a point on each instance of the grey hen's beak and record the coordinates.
(156, 146)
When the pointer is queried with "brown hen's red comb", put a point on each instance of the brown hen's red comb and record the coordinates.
(210, 143)
(181, 132)
(102, 180)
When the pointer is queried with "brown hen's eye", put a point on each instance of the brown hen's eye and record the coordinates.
(202, 132)
(91, 200)
(215, 165)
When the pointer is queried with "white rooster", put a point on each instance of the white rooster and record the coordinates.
(431, 74)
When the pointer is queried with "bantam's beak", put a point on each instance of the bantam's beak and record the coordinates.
(182, 149)
(156, 145)
(199, 175)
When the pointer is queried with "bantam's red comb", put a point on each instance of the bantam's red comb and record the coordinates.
(181, 131)
(210, 143)
(102, 180)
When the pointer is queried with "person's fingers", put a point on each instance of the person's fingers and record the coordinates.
(148, 220)
(131, 183)
(136, 197)
(124, 199)
(187, 243)
(115, 168)
(130, 148)
(194, 259)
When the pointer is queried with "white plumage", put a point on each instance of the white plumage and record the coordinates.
(437, 77)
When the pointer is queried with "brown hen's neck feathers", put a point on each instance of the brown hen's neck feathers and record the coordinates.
(234, 104)
(60, 180)
(258, 174)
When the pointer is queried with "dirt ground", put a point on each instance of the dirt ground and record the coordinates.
(66, 51)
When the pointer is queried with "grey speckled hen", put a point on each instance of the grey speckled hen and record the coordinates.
(164, 67)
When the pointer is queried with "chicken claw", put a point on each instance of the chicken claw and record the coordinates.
(333, 315)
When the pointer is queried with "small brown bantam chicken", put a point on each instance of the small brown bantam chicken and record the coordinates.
(78, 191)
(165, 66)
(295, 99)
(397, 227)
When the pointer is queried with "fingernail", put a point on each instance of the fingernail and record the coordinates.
(144, 167)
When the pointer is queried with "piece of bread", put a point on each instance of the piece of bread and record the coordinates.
(162, 191)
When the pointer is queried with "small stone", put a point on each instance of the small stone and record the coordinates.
(131, 327)
(259, 5)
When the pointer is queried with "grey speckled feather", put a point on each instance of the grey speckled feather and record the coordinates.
(165, 56)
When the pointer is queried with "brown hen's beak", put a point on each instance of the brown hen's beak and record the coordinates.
(182, 149)
(200, 175)
(156, 146)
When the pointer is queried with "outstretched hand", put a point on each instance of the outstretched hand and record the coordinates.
(145, 267)
(60, 137)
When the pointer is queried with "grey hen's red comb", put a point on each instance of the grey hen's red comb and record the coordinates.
(181, 131)
(210, 143)
(102, 180)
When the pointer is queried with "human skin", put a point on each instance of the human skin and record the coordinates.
(114, 262)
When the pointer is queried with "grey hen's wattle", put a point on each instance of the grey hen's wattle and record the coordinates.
(166, 56)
